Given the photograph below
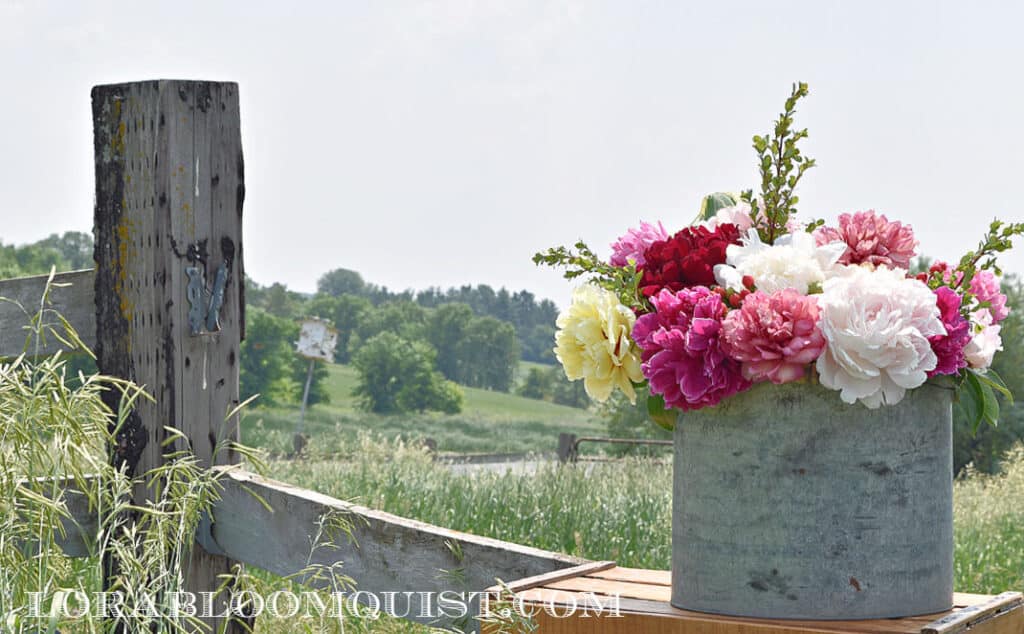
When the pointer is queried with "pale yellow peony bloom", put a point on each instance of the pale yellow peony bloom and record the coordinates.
(593, 343)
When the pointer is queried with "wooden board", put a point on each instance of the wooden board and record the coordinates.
(586, 603)
(71, 296)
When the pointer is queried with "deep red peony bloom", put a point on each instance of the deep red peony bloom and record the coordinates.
(686, 259)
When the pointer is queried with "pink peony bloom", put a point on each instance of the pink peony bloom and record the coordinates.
(871, 238)
(681, 352)
(738, 215)
(985, 340)
(949, 348)
(950, 276)
(632, 245)
(985, 288)
(776, 336)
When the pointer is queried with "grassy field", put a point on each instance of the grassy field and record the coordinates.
(619, 511)
(489, 422)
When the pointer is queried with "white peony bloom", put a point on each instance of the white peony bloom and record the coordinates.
(794, 261)
(738, 214)
(985, 340)
(876, 324)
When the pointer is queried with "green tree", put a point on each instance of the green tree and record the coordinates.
(34, 259)
(9, 266)
(281, 302)
(537, 384)
(538, 343)
(341, 282)
(488, 354)
(397, 375)
(446, 328)
(267, 354)
(403, 318)
(566, 392)
(75, 248)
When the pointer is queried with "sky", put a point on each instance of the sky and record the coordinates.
(443, 143)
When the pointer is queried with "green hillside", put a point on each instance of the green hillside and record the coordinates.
(489, 422)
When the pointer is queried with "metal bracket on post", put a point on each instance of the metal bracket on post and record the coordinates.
(204, 305)
(217, 298)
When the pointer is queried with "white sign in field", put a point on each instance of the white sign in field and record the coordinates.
(317, 340)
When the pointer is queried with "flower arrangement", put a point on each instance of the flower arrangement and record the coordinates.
(746, 293)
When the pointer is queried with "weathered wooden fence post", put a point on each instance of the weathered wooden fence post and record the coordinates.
(567, 447)
(169, 277)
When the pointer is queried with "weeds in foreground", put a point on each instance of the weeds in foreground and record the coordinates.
(56, 441)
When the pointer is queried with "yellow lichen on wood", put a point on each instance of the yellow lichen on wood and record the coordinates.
(117, 143)
(124, 233)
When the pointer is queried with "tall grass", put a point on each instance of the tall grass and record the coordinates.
(56, 444)
(989, 518)
(620, 511)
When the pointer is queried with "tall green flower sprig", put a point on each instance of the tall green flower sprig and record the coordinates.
(782, 165)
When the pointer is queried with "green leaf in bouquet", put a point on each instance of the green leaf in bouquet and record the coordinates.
(711, 203)
(977, 401)
(664, 417)
(994, 381)
(969, 401)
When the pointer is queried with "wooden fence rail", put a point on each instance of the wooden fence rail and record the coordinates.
(384, 553)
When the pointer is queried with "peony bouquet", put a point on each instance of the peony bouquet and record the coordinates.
(746, 293)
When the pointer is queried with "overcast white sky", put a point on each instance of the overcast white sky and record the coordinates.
(440, 143)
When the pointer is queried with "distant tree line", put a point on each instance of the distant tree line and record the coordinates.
(410, 349)
(533, 321)
(69, 251)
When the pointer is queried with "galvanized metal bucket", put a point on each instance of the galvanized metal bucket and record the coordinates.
(789, 503)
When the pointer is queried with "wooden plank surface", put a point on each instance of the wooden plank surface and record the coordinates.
(71, 295)
(636, 575)
(551, 577)
(968, 617)
(626, 589)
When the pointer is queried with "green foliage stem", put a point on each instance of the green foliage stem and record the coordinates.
(624, 281)
(782, 165)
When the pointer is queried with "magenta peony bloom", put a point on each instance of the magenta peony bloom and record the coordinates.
(776, 336)
(632, 245)
(949, 348)
(985, 288)
(681, 352)
(871, 238)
